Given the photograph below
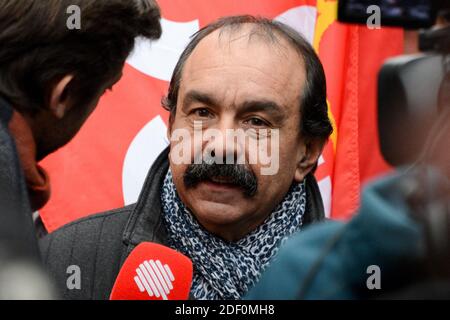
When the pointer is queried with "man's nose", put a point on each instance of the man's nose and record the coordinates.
(226, 142)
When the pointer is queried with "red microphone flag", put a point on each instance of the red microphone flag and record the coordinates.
(154, 272)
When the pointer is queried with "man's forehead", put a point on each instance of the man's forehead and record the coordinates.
(247, 44)
(241, 64)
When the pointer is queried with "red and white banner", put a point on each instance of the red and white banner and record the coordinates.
(105, 166)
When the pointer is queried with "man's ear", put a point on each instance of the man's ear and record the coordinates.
(312, 150)
(59, 98)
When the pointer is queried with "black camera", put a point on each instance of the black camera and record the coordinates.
(412, 96)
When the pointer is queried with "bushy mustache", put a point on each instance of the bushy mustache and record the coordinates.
(237, 174)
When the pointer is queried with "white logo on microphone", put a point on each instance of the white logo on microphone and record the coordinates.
(155, 278)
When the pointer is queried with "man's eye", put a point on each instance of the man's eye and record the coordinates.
(202, 113)
(256, 122)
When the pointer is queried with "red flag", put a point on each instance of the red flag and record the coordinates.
(352, 56)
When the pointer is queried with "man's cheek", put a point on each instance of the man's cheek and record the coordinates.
(178, 171)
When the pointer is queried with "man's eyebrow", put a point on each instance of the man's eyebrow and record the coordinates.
(270, 107)
(197, 96)
(267, 106)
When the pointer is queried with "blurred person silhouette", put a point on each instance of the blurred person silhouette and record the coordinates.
(51, 79)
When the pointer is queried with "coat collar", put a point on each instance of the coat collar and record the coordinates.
(145, 222)
(36, 178)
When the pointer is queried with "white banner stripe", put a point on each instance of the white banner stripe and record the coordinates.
(160, 276)
(155, 279)
(150, 280)
(169, 272)
(164, 273)
(144, 282)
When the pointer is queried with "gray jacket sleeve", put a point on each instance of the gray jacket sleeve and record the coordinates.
(93, 246)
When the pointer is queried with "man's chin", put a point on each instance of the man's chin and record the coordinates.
(212, 215)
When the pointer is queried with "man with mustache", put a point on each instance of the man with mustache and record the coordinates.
(218, 206)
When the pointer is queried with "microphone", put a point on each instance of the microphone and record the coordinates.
(153, 272)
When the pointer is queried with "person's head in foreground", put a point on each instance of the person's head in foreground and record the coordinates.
(259, 84)
(57, 58)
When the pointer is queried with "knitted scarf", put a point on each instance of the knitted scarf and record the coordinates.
(227, 270)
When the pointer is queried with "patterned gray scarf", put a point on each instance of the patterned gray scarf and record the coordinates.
(224, 270)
